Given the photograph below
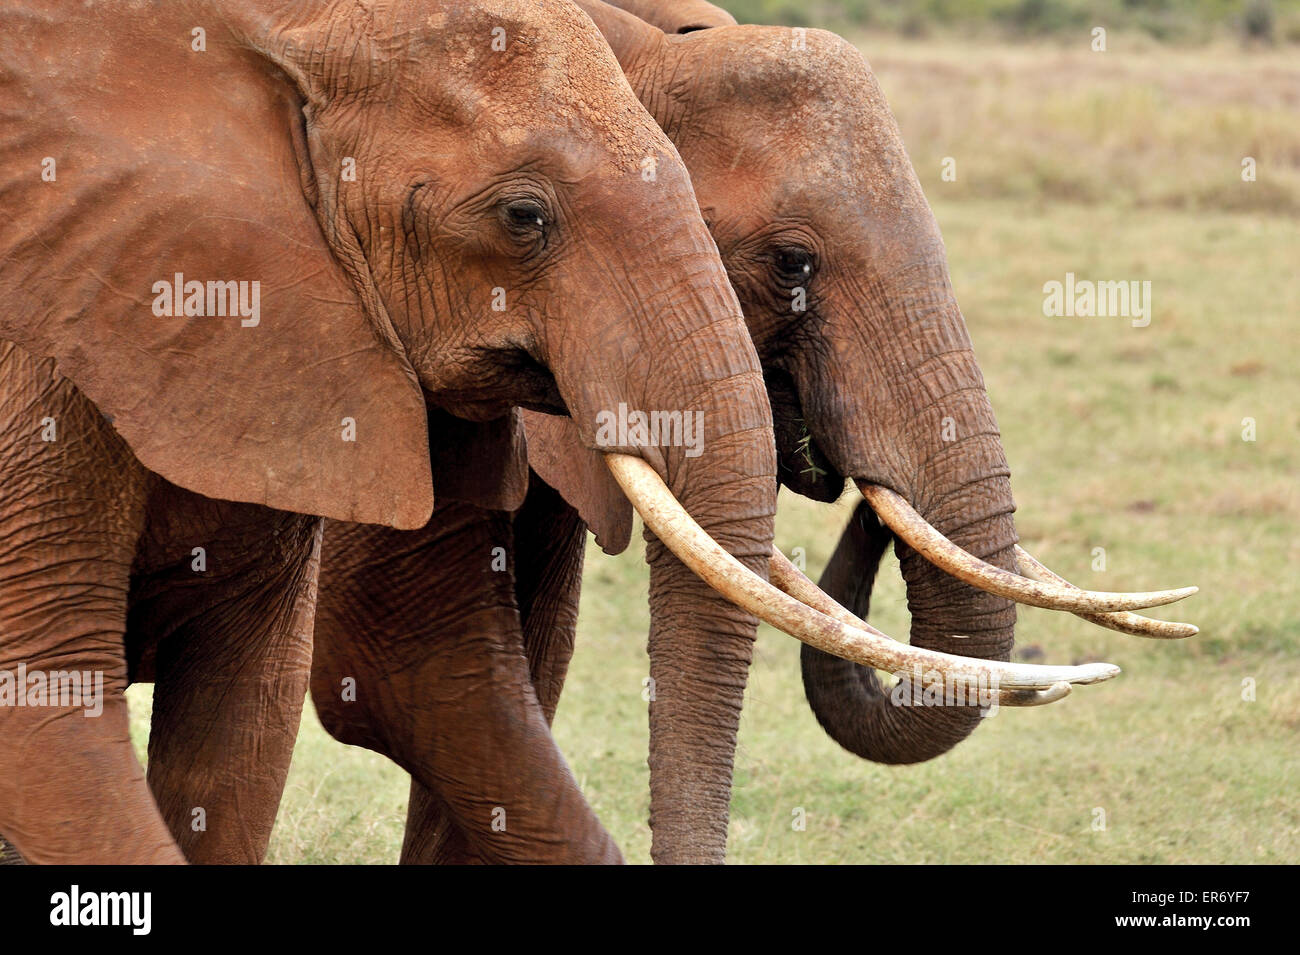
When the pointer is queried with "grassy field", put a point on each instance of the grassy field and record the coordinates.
(1117, 166)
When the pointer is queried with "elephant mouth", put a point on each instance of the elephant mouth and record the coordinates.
(501, 379)
(802, 466)
(531, 381)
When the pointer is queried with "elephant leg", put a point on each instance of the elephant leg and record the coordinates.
(72, 790)
(548, 584)
(432, 837)
(231, 661)
(419, 656)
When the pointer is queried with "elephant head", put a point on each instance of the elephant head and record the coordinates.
(327, 229)
(840, 269)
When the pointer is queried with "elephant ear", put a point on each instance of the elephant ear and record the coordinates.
(557, 454)
(158, 242)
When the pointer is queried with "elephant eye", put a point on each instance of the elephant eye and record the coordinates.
(793, 265)
(524, 217)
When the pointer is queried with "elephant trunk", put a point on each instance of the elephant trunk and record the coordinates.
(955, 474)
(695, 409)
(700, 643)
(700, 648)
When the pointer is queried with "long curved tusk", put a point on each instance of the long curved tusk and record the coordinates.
(1033, 697)
(664, 515)
(791, 580)
(1132, 623)
(902, 519)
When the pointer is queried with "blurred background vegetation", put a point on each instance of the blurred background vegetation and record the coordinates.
(1143, 126)
(1263, 21)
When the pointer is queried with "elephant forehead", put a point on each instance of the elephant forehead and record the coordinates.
(509, 69)
(779, 67)
(809, 125)
(819, 94)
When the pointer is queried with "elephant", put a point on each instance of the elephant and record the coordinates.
(860, 381)
(307, 275)
(853, 314)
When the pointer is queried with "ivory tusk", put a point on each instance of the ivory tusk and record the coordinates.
(1033, 697)
(1132, 623)
(664, 515)
(791, 580)
(904, 521)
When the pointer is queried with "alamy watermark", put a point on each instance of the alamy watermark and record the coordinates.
(935, 688)
(133, 910)
(1084, 298)
(212, 299)
(82, 688)
(661, 429)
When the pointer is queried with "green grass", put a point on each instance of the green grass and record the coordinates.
(1119, 437)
